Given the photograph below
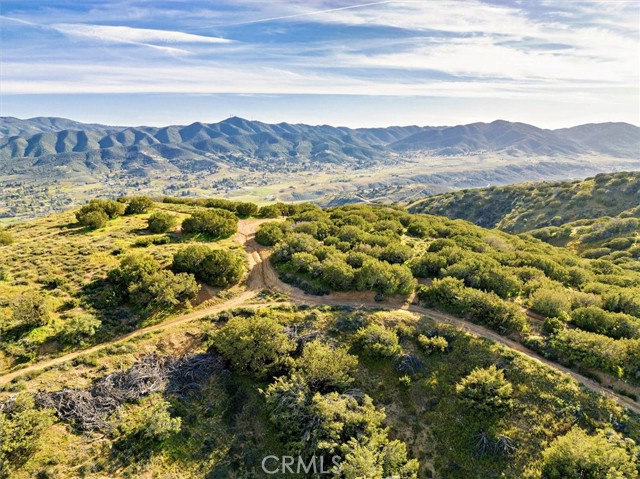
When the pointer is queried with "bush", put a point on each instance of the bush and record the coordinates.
(485, 391)
(579, 455)
(133, 267)
(377, 340)
(246, 209)
(163, 289)
(257, 345)
(221, 267)
(396, 253)
(215, 222)
(324, 367)
(161, 222)
(552, 325)
(214, 267)
(337, 274)
(138, 205)
(614, 325)
(433, 344)
(551, 302)
(590, 350)
(111, 208)
(93, 219)
(486, 308)
(5, 238)
(30, 310)
(22, 428)
(80, 327)
(269, 234)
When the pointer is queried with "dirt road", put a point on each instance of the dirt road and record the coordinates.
(263, 276)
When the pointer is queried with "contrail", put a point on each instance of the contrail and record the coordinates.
(297, 15)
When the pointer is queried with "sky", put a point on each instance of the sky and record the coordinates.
(551, 63)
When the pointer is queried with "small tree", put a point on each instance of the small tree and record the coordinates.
(485, 391)
(324, 367)
(31, 310)
(269, 234)
(94, 219)
(161, 222)
(377, 340)
(579, 455)
(215, 222)
(257, 345)
(138, 205)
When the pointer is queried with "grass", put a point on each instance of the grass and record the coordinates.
(66, 263)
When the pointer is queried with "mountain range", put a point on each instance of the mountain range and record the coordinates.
(57, 141)
(48, 164)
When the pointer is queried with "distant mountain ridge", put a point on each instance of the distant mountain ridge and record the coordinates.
(236, 136)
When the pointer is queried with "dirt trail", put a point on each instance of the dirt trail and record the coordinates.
(262, 275)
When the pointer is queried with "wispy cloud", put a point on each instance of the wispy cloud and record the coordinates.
(547, 50)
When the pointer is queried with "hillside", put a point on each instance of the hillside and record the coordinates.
(529, 206)
(133, 368)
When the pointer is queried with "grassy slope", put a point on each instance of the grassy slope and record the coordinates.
(225, 431)
(518, 208)
(59, 259)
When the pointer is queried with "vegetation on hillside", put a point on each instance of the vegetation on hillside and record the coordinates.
(83, 277)
(215, 402)
(529, 206)
(487, 276)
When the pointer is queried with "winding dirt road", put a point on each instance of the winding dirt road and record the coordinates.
(262, 276)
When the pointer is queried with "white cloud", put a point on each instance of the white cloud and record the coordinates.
(135, 36)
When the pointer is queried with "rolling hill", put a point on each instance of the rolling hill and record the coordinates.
(529, 206)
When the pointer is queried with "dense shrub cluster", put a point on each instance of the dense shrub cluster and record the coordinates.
(140, 280)
(138, 205)
(96, 213)
(309, 406)
(216, 267)
(215, 222)
(481, 307)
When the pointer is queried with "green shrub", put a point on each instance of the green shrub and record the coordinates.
(485, 391)
(377, 340)
(433, 344)
(161, 222)
(163, 289)
(256, 345)
(324, 367)
(138, 205)
(269, 234)
(215, 267)
(580, 455)
(22, 429)
(215, 222)
(30, 310)
(614, 325)
(550, 302)
(5, 238)
(93, 219)
(246, 209)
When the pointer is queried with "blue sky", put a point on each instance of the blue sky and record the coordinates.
(552, 63)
